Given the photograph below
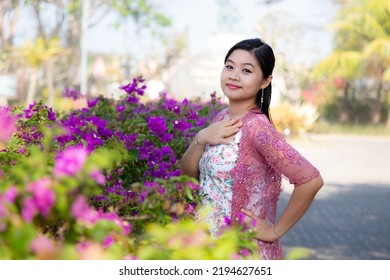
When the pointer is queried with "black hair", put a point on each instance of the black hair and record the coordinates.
(266, 59)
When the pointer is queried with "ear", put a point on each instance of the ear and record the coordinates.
(266, 82)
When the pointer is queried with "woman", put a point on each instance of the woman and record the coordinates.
(240, 158)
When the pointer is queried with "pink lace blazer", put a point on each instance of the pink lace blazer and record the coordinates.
(263, 157)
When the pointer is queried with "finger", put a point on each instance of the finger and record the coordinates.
(249, 213)
(231, 131)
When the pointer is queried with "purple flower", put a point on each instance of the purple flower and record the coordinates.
(70, 161)
(133, 88)
(29, 112)
(185, 102)
(92, 103)
(227, 221)
(192, 115)
(157, 125)
(181, 124)
(143, 195)
(166, 138)
(132, 99)
(176, 110)
(51, 115)
(71, 93)
(7, 124)
(120, 108)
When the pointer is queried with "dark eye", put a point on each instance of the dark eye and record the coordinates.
(229, 67)
(246, 70)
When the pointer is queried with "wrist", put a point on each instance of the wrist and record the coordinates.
(276, 232)
(198, 145)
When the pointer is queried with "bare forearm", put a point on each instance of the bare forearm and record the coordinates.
(297, 206)
(190, 160)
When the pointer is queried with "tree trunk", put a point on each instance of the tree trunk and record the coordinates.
(376, 110)
(344, 114)
(32, 86)
(49, 82)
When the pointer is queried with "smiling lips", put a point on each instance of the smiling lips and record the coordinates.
(232, 86)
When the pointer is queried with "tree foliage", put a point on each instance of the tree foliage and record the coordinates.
(361, 58)
(61, 19)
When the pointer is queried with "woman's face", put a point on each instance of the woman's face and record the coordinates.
(241, 77)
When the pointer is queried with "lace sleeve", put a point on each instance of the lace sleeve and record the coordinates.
(280, 155)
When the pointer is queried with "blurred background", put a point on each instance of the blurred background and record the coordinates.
(333, 56)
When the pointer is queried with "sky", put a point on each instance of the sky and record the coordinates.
(202, 18)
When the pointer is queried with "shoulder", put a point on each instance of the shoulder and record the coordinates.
(257, 120)
(261, 130)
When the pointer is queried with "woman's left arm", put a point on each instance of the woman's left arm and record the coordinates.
(300, 200)
(301, 173)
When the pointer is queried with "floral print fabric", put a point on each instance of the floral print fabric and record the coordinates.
(216, 182)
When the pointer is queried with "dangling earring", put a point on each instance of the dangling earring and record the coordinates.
(262, 98)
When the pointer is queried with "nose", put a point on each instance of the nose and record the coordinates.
(234, 76)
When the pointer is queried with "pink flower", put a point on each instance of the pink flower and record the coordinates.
(44, 248)
(126, 227)
(216, 159)
(29, 210)
(42, 200)
(11, 194)
(82, 211)
(222, 175)
(241, 218)
(98, 177)
(70, 161)
(108, 241)
(43, 197)
(7, 124)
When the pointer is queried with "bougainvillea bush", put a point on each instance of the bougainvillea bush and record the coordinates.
(102, 182)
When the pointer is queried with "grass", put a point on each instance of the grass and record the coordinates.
(335, 128)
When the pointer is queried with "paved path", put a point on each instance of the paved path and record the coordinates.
(350, 217)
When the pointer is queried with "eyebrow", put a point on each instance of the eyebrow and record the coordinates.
(247, 63)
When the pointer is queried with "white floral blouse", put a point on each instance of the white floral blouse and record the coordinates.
(216, 183)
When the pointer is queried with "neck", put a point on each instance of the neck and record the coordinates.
(238, 110)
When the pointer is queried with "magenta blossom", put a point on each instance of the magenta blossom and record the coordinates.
(126, 227)
(7, 124)
(181, 124)
(157, 125)
(70, 161)
(11, 194)
(82, 211)
(108, 241)
(98, 177)
(42, 200)
(29, 209)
